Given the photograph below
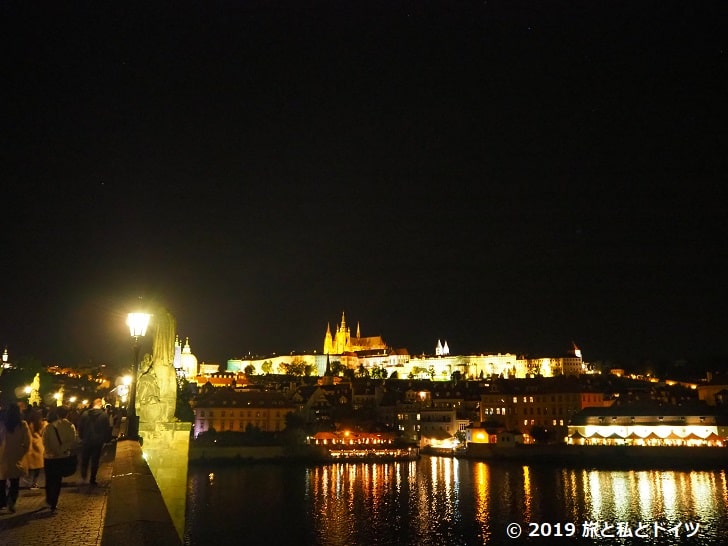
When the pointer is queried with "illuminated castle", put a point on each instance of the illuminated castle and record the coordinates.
(343, 342)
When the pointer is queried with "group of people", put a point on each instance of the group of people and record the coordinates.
(31, 441)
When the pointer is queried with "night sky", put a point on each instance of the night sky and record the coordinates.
(508, 176)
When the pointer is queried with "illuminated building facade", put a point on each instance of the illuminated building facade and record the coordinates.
(649, 425)
(437, 423)
(228, 410)
(521, 404)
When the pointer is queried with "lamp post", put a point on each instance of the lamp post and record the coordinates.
(137, 323)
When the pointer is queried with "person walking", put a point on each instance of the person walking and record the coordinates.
(59, 440)
(34, 458)
(94, 431)
(14, 444)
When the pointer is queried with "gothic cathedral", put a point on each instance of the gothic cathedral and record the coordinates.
(343, 342)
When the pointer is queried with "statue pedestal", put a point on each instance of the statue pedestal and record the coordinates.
(166, 450)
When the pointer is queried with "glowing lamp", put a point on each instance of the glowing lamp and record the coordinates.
(137, 323)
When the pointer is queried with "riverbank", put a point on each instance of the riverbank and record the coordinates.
(606, 457)
(301, 454)
(603, 456)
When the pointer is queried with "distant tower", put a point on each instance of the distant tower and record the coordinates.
(343, 335)
(328, 341)
(438, 349)
(341, 340)
(177, 354)
(445, 349)
(577, 351)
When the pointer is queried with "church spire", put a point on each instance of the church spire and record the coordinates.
(358, 331)
(328, 340)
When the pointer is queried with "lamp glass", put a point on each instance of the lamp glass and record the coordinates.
(137, 323)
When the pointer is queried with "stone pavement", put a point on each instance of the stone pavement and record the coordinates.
(78, 519)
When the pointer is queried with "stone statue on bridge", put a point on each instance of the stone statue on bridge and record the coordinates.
(157, 381)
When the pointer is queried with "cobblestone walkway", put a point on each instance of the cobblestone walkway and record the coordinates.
(77, 521)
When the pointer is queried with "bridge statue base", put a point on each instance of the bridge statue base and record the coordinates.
(166, 450)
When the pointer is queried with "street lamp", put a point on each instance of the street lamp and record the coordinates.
(138, 323)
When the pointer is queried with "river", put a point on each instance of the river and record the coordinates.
(448, 501)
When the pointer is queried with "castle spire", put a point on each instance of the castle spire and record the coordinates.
(328, 340)
(358, 331)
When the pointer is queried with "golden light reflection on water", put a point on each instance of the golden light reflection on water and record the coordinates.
(645, 497)
(439, 500)
(669, 485)
(481, 500)
(595, 492)
(527, 493)
(349, 497)
(568, 480)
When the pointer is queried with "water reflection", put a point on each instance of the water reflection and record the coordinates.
(438, 500)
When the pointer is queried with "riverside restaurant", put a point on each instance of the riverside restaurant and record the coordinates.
(665, 425)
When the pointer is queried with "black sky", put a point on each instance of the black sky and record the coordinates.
(509, 176)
